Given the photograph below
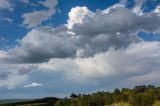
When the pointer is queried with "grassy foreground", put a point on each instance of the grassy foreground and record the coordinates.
(120, 104)
(157, 103)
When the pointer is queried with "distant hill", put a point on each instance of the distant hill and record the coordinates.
(48, 101)
(13, 100)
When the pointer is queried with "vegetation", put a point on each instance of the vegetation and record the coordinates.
(138, 96)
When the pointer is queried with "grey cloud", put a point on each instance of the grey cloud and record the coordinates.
(32, 19)
(35, 18)
(43, 43)
(118, 19)
(3, 75)
(50, 3)
(5, 4)
(103, 42)
(97, 33)
(146, 22)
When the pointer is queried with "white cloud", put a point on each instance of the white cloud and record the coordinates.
(5, 4)
(77, 14)
(9, 19)
(106, 11)
(113, 66)
(3, 54)
(32, 19)
(157, 10)
(137, 10)
(33, 85)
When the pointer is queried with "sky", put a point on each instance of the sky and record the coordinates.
(59, 47)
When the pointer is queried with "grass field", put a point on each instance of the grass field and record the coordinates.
(121, 104)
(157, 103)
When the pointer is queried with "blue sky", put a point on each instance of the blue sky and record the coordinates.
(56, 47)
(13, 30)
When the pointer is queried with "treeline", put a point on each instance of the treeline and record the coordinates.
(138, 96)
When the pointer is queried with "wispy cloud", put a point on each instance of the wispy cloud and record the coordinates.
(33, 85)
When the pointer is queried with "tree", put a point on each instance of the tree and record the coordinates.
(117, 91)
(73, 95)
